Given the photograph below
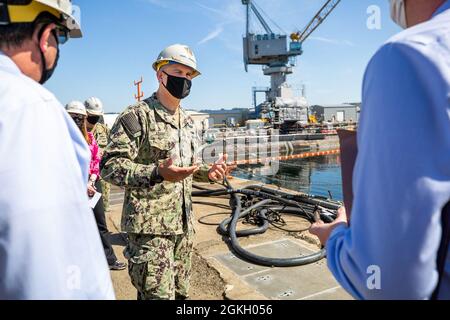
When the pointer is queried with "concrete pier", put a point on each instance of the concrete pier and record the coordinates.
(219, 274)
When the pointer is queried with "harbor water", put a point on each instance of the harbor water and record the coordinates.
(320, 176)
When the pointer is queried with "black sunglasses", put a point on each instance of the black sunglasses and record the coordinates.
(61, 34)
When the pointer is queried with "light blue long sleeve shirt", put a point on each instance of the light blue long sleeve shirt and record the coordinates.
(402, 173)
(50, 246)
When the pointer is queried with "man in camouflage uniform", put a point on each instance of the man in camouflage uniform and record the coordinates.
(95, 111)
(152, 154)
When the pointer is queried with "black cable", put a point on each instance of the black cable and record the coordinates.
(314, 200)
(258, 203)
(217, 205)
(201, 220)
(281, 223)
(271, 262)
(199, 187)
(223, 226)
(210, 193)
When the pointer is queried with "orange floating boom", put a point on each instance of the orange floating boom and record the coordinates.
(291, 157)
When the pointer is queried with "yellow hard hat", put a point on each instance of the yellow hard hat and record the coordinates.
(177, 53)
(26, 11)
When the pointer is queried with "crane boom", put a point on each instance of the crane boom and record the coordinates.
(261, 19)
(252, 7)
(323, 13)
(277, 55)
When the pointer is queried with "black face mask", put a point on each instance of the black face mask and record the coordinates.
(93, 119)
(178, 87)
(47, 73)
(79, 120)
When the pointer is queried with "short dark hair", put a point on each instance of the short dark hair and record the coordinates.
(15, 34)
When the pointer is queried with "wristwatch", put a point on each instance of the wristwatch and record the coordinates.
(156, 178)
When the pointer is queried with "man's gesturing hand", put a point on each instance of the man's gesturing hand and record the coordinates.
(172, 173)
(220, 169)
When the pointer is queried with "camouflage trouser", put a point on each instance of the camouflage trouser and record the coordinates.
(160, 266)
(106, 188)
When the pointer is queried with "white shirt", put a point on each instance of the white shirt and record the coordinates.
(402, 174)
(50, 246)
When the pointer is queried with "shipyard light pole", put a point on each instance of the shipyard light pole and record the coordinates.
(276, 55)
(139, 94)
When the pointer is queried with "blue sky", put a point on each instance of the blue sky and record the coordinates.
(123, 38)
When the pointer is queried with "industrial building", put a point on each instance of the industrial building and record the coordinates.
(335, 113)
(233, 117)
(201, 120)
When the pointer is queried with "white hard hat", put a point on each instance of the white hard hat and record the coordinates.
(177, 53)
(94, 106)
(19, 11)
(76, 107)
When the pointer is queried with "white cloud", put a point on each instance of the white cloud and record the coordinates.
(175, 5)
(212, 35)
(349, 43)
(214, 10)
(230, 14)
(159, 3)
(332, 41)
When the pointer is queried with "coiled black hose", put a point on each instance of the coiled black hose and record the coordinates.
(262, 200)
(223, 227)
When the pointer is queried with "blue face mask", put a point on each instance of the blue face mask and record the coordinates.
(178, 87)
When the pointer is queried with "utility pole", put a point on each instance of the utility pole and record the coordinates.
(140, 94)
